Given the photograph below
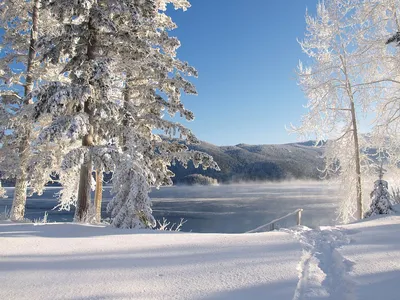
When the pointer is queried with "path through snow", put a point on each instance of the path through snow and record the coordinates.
(323, 271)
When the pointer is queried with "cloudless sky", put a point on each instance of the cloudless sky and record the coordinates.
(246, 53)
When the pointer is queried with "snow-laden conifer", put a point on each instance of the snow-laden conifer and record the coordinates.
(120, 58)
(380, 198)
(155, 69)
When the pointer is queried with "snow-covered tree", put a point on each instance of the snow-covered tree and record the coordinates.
(19, 19)
(338, 86)
(20, 70)
(121, 60)
(150, 70)
(385, 15)
(381, 24)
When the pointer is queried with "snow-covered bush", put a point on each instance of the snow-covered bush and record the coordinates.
(131, 204)
(165, 225)
(41, 220)
(380, 197)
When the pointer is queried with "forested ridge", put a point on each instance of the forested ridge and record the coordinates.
(244, 162)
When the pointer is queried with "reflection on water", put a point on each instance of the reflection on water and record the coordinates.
(224, 209)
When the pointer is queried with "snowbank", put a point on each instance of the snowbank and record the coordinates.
(67, 261)
(374, 251)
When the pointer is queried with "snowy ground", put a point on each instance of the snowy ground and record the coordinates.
(67, 261)
(375, 251)
(350, 262)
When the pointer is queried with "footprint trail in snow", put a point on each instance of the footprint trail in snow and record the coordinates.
(323, 271)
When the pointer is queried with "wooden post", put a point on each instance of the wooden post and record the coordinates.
(299, 216)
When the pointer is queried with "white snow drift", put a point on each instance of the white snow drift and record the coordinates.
(68, 261)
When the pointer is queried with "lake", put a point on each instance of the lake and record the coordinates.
(233, 208)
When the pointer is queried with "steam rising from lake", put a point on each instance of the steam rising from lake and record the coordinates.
(233, 208)
(238, 208)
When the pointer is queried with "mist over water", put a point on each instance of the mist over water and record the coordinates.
(233, 208)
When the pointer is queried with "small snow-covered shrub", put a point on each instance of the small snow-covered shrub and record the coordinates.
(41, 221)
(380, 200)
(166, 225)
(106, 221)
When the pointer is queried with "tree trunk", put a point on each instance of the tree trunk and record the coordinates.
(357, 161)
(21, 184)
(356, 142)
(98, 196)
(32, 51)
(83, 201)
(85, 179)
(127, 96)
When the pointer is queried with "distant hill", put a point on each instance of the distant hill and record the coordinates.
(251, 163)
(258, 162)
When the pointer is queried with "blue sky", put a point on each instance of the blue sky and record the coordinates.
(246, 54)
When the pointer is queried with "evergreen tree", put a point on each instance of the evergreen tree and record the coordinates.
(120, 58)
(380, 198)
(150, 70)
